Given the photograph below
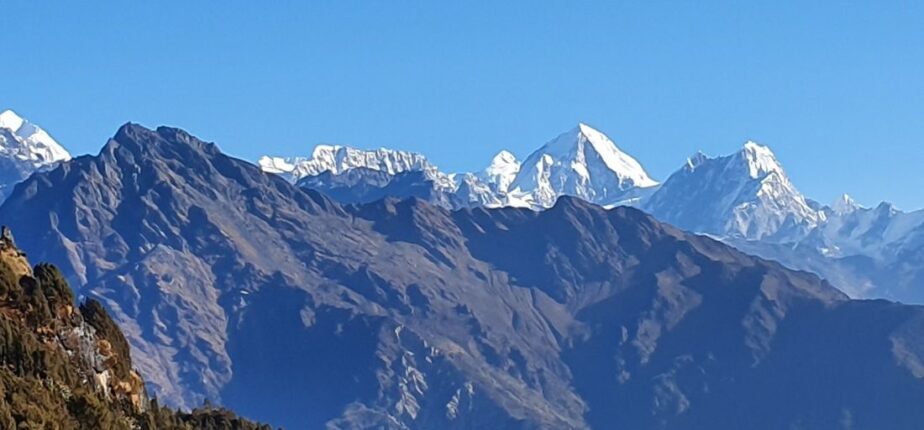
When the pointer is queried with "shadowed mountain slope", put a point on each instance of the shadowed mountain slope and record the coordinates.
(234, 285)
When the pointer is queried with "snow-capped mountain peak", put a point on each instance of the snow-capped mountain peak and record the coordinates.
(502, 160)
(844, 205)
(760, 160)
(10, 120)
(501, 172)
(584, 136)
(24, 149)
(28, 143)
(745, 195)
(582, 162)
(696, 160)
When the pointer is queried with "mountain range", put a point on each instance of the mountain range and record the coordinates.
(581, 162)
(235, 285)
(744, 199)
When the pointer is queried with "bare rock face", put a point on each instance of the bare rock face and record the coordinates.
(234, 285)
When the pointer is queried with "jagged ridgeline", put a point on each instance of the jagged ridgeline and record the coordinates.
(63, 367)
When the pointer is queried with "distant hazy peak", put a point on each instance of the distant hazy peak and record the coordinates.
(844, 204)
(501, 172)
(696, 160)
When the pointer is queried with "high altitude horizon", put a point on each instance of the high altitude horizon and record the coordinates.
(10, 118)
(833, 88)
(462, 215)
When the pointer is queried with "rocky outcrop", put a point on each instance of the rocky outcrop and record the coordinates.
(63, 367)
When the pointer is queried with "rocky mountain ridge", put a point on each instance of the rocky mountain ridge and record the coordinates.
(234, 285)
(745, 199)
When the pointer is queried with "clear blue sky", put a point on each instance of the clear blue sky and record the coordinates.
(835, 88)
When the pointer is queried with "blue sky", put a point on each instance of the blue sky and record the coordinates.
(835, 88)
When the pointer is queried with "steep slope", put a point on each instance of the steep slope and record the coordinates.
(745, 195)
(868, 252)
(843, 205)
(472, 191)
(63, 367)
(222, 275)
(746, 200)
(362, 185)
(235, 285)
(583, 163)
(879, 232)
(24, 148)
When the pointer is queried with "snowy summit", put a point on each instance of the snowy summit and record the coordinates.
(24, 149)
(844, 205)
(25, 141)
(746, 195)
(582, 162)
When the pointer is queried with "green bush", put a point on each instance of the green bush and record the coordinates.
(53, 284)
